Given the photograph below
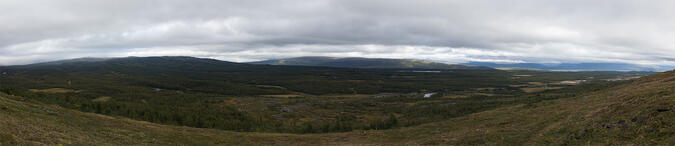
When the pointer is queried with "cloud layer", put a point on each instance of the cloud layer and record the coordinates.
(629, 31)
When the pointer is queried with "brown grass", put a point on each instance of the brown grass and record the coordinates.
(520, 85)
(350, 95)
(55, 90)
(488, 88)
(523, 75)
(271, 86)
(539, 89)
(455, 96)
(484, 94)
(102, 99)
(536, 83)
(282, 96)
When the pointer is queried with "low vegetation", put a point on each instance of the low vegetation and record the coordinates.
(286, 99)
(639, 112)
(53, 90)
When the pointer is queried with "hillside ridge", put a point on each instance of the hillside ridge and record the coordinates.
(358, 62)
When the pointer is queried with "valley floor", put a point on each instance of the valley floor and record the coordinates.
(637, 113)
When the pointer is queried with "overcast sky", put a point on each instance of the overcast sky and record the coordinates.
(452, 31)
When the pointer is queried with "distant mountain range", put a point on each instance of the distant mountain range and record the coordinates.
(86, 59)
(572, 66)
(356, 62)
(383, 63)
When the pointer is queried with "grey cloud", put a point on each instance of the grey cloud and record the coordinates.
(446, 30)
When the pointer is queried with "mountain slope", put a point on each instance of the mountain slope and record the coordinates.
(355, 62)
(637, 113)
(27, 123)
(640, 113)
(87, 59)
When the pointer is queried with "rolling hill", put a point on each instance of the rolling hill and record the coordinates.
(356, 62)
(641, 112)
(202, 75)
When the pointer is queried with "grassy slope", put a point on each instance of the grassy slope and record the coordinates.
(31, 123)
(637, 113)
